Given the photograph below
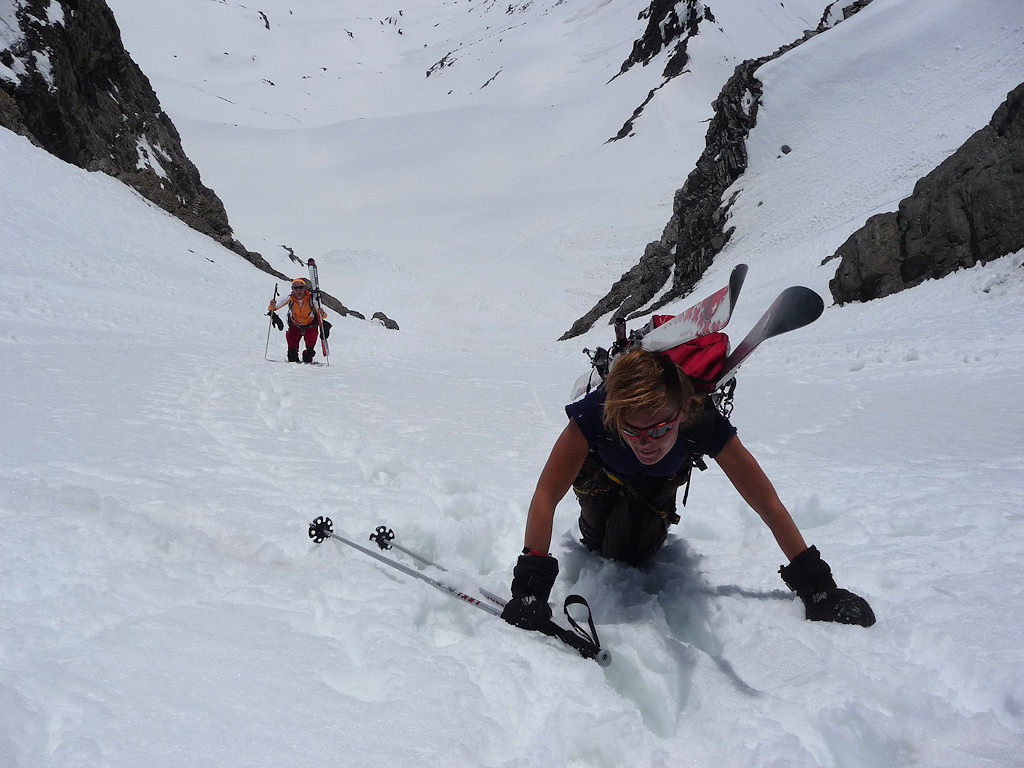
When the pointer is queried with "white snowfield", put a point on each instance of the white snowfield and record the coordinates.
(162, 603)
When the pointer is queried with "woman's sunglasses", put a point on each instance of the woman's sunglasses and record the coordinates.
(653, 433)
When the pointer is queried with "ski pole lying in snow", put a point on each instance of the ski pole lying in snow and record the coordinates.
(384, 537)
(586, 644)
(323, 528)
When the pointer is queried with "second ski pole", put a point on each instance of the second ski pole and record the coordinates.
(272, 316)
(384, 537)
(322, 528)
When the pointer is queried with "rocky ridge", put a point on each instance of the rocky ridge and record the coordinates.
(697, 231)
(69, 86)
(967, 211)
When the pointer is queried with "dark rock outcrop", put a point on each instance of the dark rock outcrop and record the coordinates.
(78, 94)
(70, 87)
(665, 28)
(697, 231)
(969, 210)
(387, 322)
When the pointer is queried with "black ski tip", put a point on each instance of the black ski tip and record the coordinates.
(738, 275)
(736, 278)
(804, 296)
(795, 307)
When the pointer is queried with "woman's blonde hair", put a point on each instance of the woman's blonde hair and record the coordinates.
(642, 380)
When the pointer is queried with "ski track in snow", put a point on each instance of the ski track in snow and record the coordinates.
(163, 603)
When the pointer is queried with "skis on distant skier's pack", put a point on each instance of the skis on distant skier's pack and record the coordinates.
(314, 278)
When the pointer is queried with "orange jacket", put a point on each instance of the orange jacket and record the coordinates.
(300, 311)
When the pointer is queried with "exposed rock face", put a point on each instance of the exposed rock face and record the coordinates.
(69, 86)
(669, 23)
(970, 209)
(697, 212)
(696, 231)
(79, 95)
(387, 322)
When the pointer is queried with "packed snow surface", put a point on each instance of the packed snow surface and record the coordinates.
(162, 602)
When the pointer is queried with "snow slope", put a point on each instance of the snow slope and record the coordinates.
(163, 604)
(495, 165)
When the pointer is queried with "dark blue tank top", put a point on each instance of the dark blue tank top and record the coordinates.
(705, 438)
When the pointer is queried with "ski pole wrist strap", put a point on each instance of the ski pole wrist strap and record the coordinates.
(586, 643)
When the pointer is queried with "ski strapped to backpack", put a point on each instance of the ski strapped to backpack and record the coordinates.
(693, 339)
(794, 308)
(584, 641)
(695, 342)
(708, 316)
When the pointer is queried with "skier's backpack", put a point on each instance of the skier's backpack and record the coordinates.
(705, 358)
(701, 359)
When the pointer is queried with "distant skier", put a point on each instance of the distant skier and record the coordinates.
(627, 448)
(303, 322)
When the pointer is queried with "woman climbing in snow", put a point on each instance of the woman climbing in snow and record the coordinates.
(303, 322)
(627, 448)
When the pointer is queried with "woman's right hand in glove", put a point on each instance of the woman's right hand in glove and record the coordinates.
(532, 580)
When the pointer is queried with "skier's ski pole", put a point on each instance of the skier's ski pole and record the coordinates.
(587, 645)
(384, 538)
(577, 637)
(271, 325)
(322, 528)
(323, 339)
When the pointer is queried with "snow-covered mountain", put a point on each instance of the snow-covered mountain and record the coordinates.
(532, 87)
(163, 604)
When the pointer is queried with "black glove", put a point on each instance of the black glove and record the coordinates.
(532, 580)
(327, 329)
(276, 321)
(811, 578)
